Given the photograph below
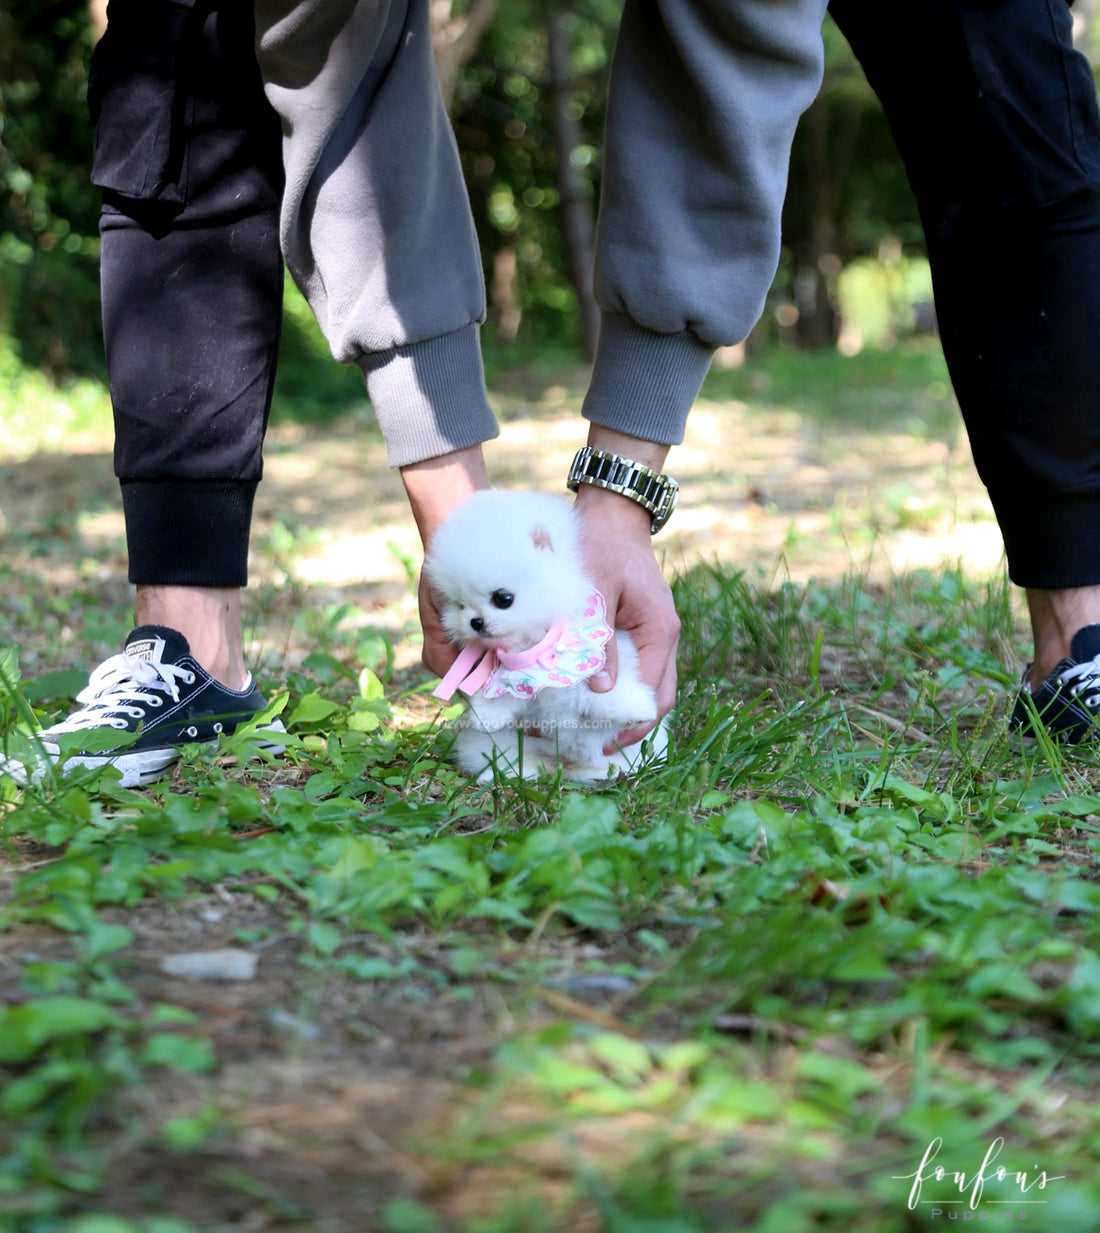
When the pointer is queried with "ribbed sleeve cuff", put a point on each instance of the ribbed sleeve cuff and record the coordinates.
(430, 397)
(644, 383)
(188, 533)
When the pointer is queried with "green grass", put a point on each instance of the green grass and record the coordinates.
(36, 413)
(747, 990)
(901, 388)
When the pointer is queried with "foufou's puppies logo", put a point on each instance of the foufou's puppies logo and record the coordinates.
(953, 1194)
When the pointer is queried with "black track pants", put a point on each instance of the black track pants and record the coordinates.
(188, 156)
(996, 118)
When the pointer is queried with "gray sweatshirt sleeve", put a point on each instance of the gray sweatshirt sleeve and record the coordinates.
(376, 225)
(705, 98)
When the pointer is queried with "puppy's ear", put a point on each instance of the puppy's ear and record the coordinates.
(540, 537)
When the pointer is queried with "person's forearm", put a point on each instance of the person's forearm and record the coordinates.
(375, 224)
(627, 515)
(618, 552)
(704, 99)
(651, 454)
(436, 486)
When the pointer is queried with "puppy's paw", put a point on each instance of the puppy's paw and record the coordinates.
(627, 704)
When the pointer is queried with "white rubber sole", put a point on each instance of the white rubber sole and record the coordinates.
(137, 769)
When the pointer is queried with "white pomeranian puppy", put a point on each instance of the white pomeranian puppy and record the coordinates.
(506, 574)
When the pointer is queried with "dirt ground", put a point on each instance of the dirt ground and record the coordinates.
(333, 1097)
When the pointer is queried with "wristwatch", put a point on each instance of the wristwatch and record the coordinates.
(655, 493)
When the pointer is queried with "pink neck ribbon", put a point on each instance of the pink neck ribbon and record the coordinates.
(473, 667)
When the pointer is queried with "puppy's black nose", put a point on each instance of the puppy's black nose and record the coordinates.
(477, 624)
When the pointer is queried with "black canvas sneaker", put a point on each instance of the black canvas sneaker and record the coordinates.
(139, 708)
(1068, 701)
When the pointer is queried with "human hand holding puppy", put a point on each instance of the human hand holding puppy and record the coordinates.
(509, 583)
(617, 547)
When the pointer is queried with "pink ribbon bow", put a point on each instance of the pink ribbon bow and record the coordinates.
(473, 667)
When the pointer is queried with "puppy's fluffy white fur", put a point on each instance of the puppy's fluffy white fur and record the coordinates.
(503, 569)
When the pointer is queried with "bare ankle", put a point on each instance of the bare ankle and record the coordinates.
(1056, 615)
(209, 618)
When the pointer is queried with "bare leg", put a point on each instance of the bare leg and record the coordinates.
(1056, 615)
(209, 618)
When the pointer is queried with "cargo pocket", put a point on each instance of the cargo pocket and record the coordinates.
(1036, 102)
(138, 96)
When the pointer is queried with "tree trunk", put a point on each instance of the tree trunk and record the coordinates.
(505, 294)
(818, 264)
(578, 225)
(455, 39)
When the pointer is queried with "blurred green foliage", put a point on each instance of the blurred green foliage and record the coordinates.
(49, 279)
(505, 128)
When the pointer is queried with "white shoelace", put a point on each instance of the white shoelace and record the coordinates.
(1084, 682)
(117, 686)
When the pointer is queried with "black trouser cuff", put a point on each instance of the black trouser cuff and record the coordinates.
(1049, 542)
(188, 532)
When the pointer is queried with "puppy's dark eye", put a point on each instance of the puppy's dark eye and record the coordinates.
(502, 599)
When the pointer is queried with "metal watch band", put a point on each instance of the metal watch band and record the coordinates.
(656, 494)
